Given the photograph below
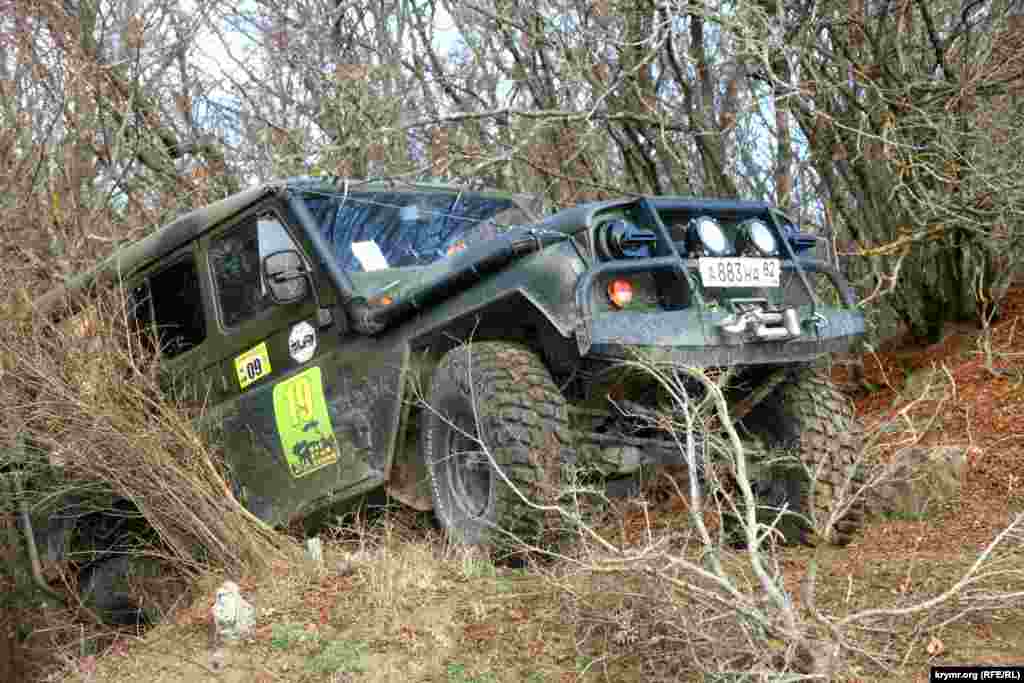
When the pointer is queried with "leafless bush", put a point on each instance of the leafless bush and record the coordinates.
(89, 420)
(687, 601)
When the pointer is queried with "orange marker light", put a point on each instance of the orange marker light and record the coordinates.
(620, 292)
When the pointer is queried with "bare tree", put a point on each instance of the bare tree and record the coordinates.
(574, 101)
(911, 112)
(103, 131)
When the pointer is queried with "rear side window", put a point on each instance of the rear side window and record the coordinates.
(235, 259)
(170, 303)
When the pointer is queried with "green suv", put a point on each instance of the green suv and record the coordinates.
(352, 336)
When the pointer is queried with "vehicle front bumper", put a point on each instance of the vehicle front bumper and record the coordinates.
(694, 338)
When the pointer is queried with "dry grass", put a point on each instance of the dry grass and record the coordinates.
(389, 603)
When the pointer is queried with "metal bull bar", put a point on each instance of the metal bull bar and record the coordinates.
(765, 325)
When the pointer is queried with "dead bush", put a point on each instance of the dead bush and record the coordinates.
(682, 603)
(96, 427)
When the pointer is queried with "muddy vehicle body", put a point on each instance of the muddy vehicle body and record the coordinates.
(354, 336)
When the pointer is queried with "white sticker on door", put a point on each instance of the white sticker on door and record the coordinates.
(302, 342)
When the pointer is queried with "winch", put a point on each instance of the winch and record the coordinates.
(765, 325)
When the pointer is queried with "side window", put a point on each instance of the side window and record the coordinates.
(235, 259)
(170, 303)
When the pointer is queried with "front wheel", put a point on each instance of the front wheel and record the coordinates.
(494, 437)
(813, 442)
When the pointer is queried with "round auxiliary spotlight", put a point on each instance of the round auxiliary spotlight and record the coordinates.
(621, 239)
(756, 236)
(707, 236)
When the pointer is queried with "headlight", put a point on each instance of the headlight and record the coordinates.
(757, 236)
(710, 235)
(621, 239)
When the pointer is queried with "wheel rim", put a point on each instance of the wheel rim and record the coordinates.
(469, 470)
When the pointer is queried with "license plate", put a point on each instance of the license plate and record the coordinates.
(739, 272)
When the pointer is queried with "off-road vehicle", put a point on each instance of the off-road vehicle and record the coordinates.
(352, 336)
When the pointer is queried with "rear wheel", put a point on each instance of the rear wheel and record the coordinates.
(812, 444)
(120, 572)
(494, 438)
(106, 587)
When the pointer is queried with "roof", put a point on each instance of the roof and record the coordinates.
(132, 257)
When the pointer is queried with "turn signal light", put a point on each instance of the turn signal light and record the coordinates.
(620, 293)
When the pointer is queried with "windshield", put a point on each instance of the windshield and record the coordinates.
(391, 243)
(375, 230)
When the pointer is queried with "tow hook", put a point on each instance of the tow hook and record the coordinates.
(765, 325)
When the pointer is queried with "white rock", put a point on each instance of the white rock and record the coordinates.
(315, 549)
(233, 617)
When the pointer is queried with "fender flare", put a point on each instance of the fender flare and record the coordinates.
(515, 316)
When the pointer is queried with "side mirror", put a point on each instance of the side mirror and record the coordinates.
(286, 276)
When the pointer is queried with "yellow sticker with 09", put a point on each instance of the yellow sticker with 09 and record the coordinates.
(252, 365)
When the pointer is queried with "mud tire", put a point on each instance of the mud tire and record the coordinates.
(106, 590)
(808, 420)
(522, 418)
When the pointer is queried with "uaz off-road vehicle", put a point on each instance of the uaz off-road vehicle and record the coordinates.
(357, 336)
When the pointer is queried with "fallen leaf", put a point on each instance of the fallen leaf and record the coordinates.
(935, 647)
(87, 665)
(517, 614)
(480, 632)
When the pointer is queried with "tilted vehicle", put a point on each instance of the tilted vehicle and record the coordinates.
(352, 336)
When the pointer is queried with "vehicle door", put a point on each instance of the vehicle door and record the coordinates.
(294, 415)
